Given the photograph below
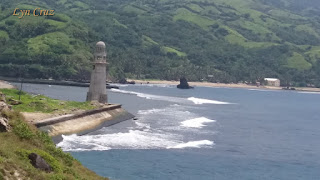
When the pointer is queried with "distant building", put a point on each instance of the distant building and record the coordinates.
(272, 82)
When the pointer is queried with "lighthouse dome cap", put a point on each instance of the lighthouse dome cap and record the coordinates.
(100, 43)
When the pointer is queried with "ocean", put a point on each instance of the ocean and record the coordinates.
(204, 133)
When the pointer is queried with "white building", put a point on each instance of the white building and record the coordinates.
(272, 82)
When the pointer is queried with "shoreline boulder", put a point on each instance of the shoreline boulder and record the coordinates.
(184, 84)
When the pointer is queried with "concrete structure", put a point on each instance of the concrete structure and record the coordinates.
(83, 122)
(97, 89)
(272, 82)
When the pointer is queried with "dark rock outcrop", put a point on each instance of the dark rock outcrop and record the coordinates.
(39, 163)
(124, 81)
(109, 86)
(184, 84)
(288, 88)
(4, 125)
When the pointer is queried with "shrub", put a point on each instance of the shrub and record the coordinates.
(57, 152)
(44, 137)
(57, 177)
(10, 115)
(22, 130)
(10, 22)
(70, 171)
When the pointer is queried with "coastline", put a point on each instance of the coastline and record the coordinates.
(59, 117)
(222, 85)
(5, 85)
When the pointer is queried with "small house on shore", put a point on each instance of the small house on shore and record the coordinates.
(272, 82)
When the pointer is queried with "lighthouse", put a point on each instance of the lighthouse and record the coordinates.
(97, 89)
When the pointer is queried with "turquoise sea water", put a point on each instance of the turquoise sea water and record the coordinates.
(205, 133)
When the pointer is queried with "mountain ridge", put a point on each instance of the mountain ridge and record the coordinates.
(233, 40)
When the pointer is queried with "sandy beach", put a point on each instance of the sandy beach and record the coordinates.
(209, 84)
(5, 85)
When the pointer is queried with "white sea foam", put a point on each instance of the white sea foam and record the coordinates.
(197, 122)
(159, 85)
(264, 90)
(150, 96)
(309, 92)
(150, 111)
(175, 105)
(133, 139)
(193, 144)
(205, 101)
(120, 85)
(171, 99)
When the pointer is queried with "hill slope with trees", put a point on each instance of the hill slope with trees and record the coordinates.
(233, 40)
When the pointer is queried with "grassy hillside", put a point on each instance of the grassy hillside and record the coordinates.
(25, 139)
(234, 40)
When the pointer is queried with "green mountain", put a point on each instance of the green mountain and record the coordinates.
(233, 40)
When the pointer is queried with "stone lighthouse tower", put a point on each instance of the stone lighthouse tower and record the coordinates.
(97, 90)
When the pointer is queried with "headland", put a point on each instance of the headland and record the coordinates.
(26, 152)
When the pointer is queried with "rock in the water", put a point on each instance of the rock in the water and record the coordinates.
(4, 125)
(109, 86)
(39, 163)
(184, 84)
(123, 81)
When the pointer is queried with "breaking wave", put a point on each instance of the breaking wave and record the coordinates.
(193, 144)
(196, 123)
(171, 99)
(205, 101)
(134, 139)
(150, 111)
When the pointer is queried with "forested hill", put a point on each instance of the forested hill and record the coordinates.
(233, 40)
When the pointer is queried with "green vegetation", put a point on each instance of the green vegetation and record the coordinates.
(25, 139)
(297, 61)
(234, 40)
(40, 103)
(172, 50)
(184, 14)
